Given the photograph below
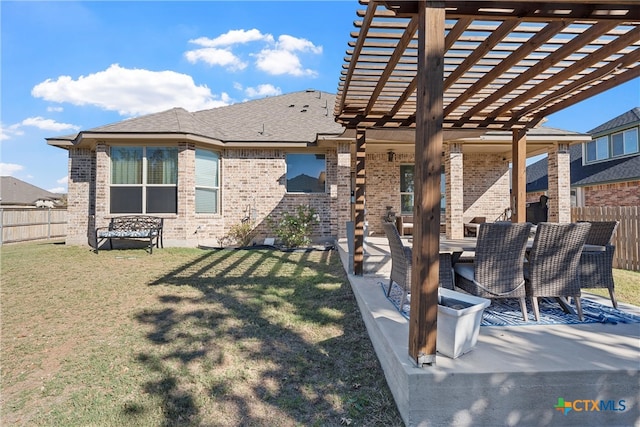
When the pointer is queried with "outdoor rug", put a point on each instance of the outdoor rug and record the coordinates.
(507, 312)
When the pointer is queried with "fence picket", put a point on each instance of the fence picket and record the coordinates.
(627, 237)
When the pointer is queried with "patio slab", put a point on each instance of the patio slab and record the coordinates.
(514, 375)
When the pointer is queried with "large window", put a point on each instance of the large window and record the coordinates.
(306, 173)
(144, 179)
(207, 181)
(611, 146)
(407, 190)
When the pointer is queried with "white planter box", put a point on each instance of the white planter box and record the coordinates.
(459, 318)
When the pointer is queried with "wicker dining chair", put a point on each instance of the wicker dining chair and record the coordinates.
(497, 268)
(552, 266)
(596, 267)
(401, 260)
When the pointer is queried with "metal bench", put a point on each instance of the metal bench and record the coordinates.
(132, 227)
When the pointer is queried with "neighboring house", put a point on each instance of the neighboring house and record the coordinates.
(207, 171)
(17, 193)
(605, 171)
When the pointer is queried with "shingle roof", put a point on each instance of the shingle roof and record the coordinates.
(16, 192)
(176, 120)
(297, 116)
(294, 117)
(630, 117)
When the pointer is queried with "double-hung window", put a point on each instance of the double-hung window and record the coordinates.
(407, 190)
(144, 180)
(207, 181)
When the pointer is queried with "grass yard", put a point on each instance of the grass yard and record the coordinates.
(627, 287)
(184, 337)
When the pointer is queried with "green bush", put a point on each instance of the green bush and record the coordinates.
(294, 230)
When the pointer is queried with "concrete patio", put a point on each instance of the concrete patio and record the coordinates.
(514, 375)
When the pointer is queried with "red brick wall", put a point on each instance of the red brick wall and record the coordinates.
(617, 194)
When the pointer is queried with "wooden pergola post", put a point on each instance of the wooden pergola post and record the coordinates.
(428, 150)
(519, 175)
(358, 255)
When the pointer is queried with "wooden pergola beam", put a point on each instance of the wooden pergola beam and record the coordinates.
(426, 218)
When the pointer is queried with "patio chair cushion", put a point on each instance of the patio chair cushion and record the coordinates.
(464, 269)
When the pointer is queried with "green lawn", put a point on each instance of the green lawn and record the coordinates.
(190, 337)
(627, 287)
(184, 337)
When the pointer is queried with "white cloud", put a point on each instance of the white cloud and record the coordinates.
(217, 51)
(293, 44)
(277, 62)
(8, 132)
(284, 58)
(262, 90)
(130, 92)
(10, 169)
(55, 109)
(233, 37)
(277, 58)
(64, 180)
(48, 124)
(212, 56)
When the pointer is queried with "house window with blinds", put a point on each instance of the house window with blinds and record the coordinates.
(144, 180)
(207, 181)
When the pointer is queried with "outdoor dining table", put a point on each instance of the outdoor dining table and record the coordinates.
(457, 247)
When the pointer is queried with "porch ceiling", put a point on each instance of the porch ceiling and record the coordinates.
(508, 64)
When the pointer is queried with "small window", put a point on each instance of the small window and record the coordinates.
(207, 181)
(306, 173)
(597, 149)
(407, 190)
(625, 142)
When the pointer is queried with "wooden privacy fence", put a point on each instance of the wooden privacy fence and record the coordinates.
(22, 224)
(627, 237)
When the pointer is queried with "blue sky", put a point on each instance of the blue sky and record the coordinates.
(68, 66)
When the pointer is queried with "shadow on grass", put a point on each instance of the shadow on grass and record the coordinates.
(263, 337)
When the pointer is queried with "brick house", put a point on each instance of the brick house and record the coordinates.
(605, 170)
(206, 171)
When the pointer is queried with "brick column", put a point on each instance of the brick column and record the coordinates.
(103, 166)
(343, 189)
(454, 184)
(184, 227)
(81, 197)
(559, 204)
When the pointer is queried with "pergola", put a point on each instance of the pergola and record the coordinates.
(464, 67)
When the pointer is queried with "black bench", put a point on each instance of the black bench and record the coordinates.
(132, 227)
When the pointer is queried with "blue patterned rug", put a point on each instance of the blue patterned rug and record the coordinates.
(507, 312)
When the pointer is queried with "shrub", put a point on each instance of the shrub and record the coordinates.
(241, 233)
(294, 230)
